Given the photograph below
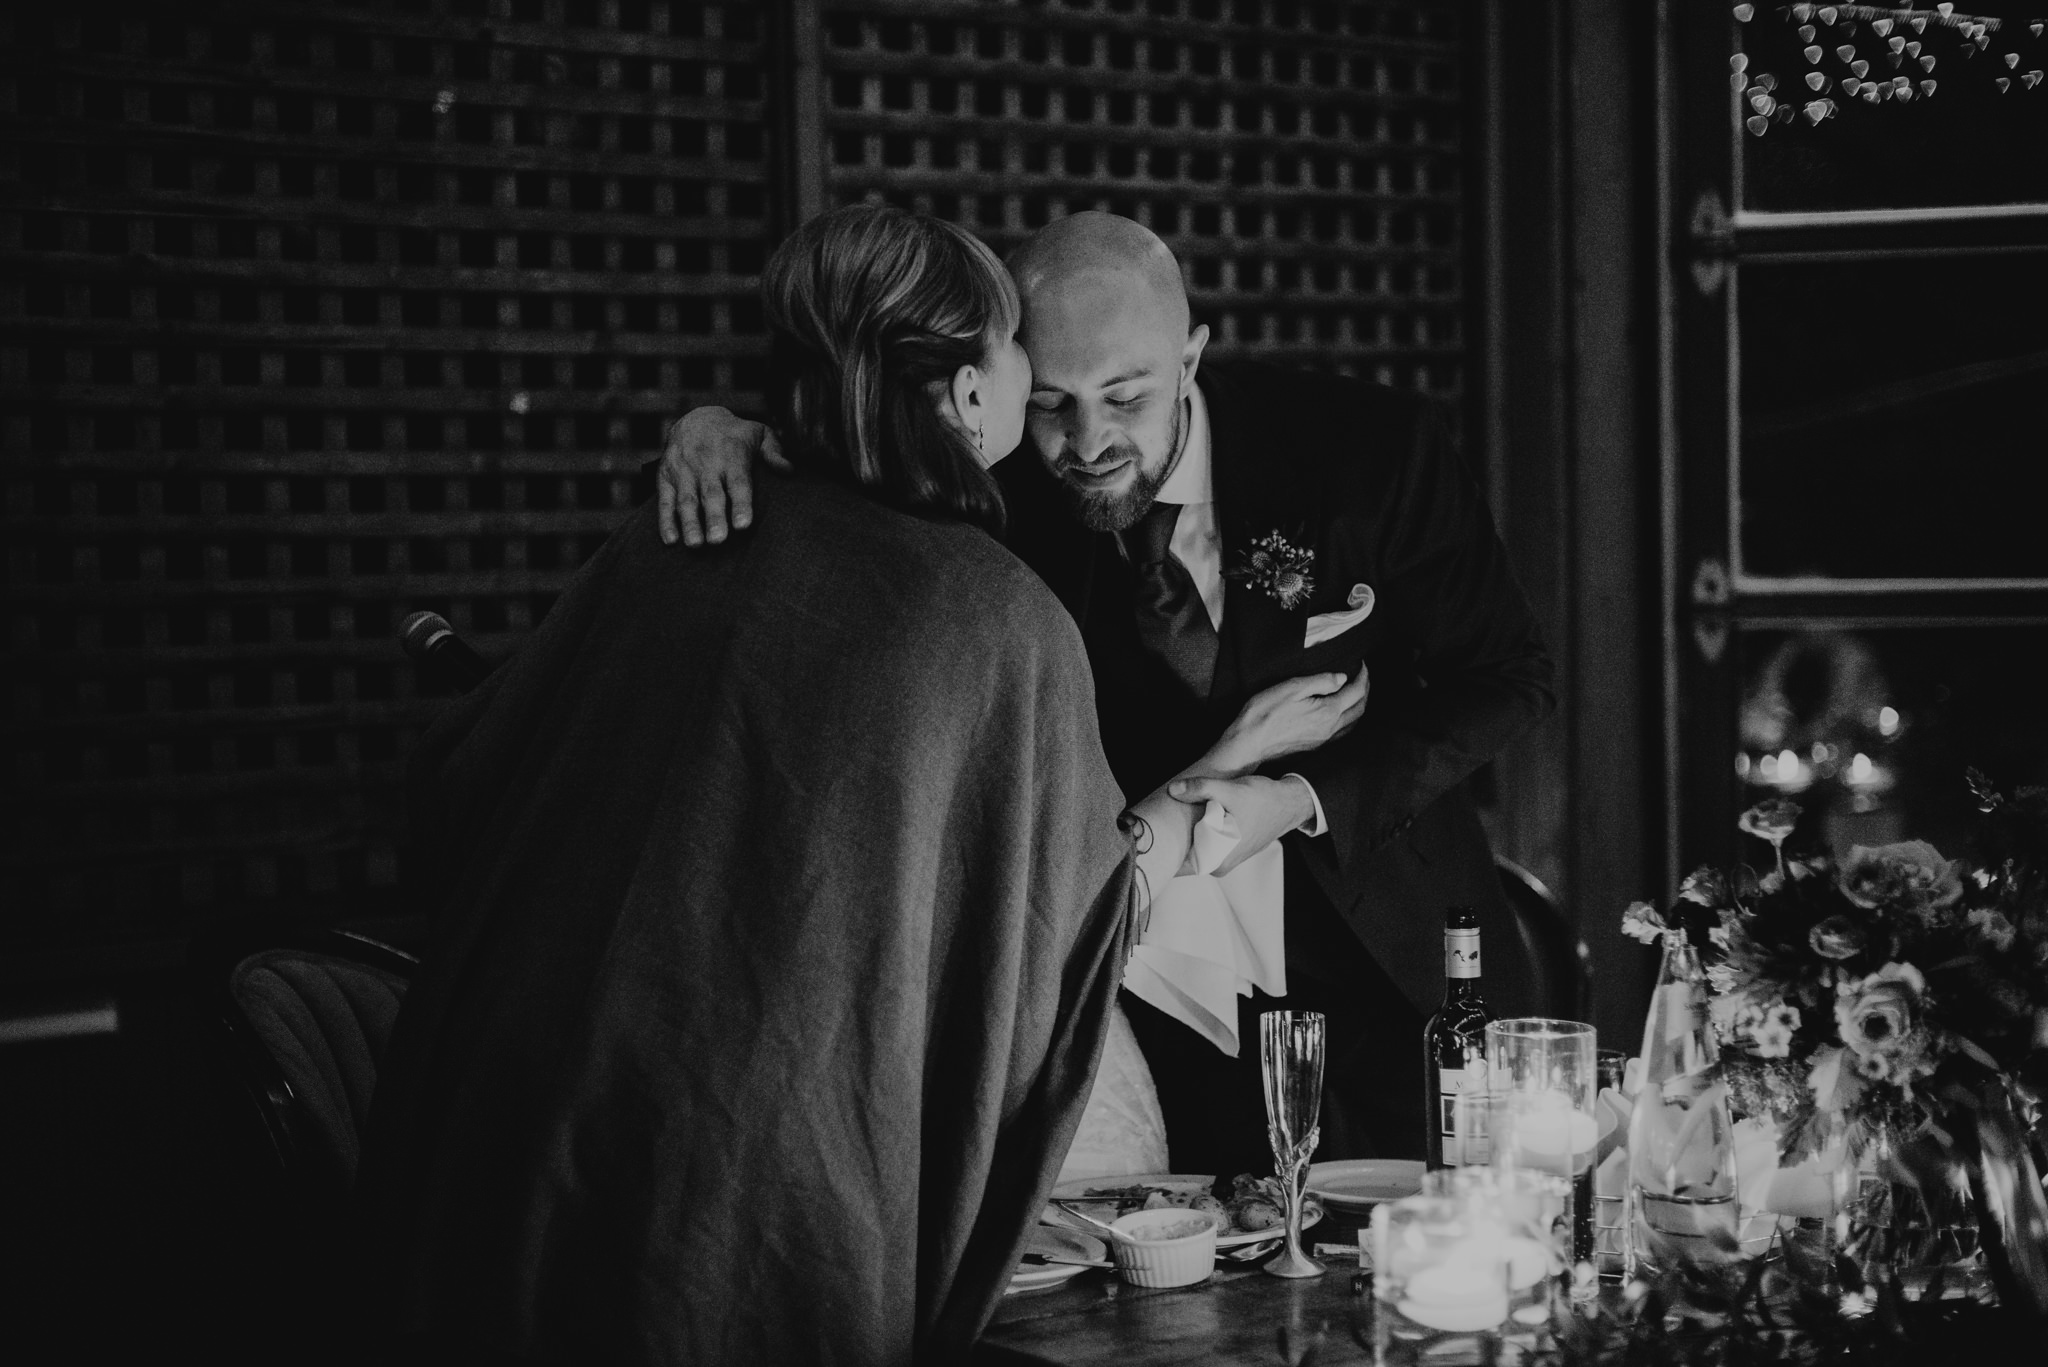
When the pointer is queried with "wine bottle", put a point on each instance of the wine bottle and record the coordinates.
(1454, 1048)
(1681, 1142)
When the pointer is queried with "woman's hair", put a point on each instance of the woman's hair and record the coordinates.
(873, 311)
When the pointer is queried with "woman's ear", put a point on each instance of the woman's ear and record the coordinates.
(968, 397)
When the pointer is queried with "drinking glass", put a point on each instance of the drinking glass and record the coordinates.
(1442, 1272)
(1610, 1180)
(1523, 1205)
(1542, 1077)
(1291, 1057)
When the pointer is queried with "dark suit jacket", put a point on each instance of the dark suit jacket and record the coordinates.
(1365, 476)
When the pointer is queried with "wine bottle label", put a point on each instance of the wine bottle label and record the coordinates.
(1461, 953)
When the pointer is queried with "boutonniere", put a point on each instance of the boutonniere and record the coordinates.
(1279, 569)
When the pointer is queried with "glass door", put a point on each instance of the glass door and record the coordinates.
(1858, 420)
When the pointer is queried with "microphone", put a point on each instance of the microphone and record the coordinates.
(433, 645)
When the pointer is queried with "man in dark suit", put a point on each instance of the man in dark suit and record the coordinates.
(1218, 528)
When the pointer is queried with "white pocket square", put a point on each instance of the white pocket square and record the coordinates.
(1324, 625)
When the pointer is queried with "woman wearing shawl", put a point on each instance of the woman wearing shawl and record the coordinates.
(786, 890)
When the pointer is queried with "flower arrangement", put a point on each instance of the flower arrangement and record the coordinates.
(1894, 995)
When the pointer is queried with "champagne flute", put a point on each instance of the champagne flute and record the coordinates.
(1291, 1057)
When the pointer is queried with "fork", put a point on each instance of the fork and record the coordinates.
(1112, 1231)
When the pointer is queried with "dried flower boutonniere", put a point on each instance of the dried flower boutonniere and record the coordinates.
(1279, 569)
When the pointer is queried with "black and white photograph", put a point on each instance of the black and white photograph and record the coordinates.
(1024, 683)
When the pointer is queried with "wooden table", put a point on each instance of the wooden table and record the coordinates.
(1234, 1318)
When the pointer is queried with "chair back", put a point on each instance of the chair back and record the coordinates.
(309, 1020)
(1555, 963)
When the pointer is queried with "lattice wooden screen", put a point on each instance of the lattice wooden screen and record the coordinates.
(1301, 159)
(316, 314)
(313, 314)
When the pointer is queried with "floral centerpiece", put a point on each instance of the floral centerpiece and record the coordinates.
(1899, 998)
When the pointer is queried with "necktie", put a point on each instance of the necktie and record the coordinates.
(1172, 623)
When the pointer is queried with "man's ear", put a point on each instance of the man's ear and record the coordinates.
(1191, 357)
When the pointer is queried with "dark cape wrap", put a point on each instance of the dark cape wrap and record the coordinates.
(785, 904)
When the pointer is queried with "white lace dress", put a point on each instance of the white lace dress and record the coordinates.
(1122, 1131)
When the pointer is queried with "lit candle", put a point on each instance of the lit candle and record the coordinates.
(1464, 1294)
(1549, 1135)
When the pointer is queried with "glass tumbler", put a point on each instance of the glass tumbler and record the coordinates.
(1542, 1078)
(1610, 1175)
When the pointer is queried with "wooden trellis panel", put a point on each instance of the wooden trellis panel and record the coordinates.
(315, 314)
(1302, 159)
(312, 315)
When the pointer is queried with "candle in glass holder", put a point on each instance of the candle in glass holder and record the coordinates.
(1441, 1279)
(1610, 1173)
(1522, 1205)
(1543, 1074)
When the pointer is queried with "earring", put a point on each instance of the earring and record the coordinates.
(980, 427)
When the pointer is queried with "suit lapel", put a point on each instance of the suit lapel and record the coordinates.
(1255, 495)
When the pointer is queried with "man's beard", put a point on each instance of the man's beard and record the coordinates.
(1113, 512)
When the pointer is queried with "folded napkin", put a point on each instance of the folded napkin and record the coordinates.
(1610, 1179)
(1611, 1111)
(1613, 1108)
(1212, 940)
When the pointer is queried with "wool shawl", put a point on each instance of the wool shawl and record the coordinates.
(784, 898)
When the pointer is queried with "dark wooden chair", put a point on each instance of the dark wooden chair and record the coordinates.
(1547, 970)
(295, 1023)
(301, 1020)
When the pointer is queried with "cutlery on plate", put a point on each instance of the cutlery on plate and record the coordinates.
(1245, 1253)
(1111, 1230)
(1034, 1259)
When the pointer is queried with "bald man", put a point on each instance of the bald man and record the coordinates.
(1214, 529)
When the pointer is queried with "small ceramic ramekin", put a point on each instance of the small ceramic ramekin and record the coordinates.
(1145, 1258)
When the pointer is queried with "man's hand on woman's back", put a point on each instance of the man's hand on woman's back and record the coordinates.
(706, 483)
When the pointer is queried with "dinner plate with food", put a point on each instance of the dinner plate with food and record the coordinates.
(1253, 1214)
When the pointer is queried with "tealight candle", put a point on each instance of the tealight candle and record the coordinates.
(1464, 1294)
(1547, 1134)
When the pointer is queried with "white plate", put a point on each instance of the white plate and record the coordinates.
(1058, 1243)
(1361, 1183)
(1041, 1276)
(1311, 1214)
(1079, 1188)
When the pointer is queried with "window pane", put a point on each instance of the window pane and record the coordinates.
(1951, 134)
(1872, 731)
(1892, 417)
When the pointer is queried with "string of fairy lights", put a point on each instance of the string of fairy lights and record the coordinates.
(1876, 53)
